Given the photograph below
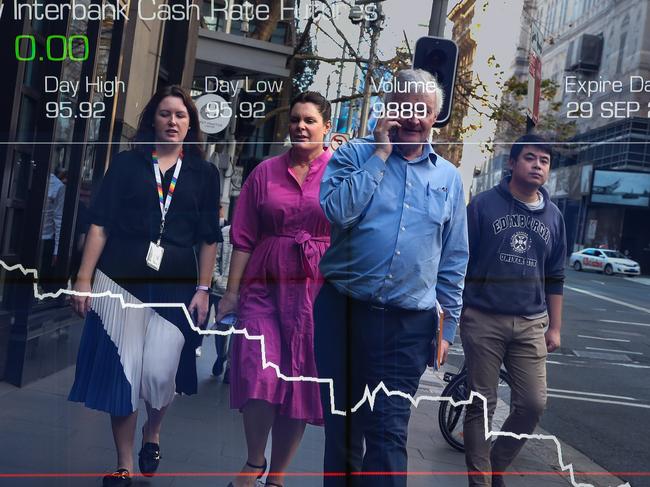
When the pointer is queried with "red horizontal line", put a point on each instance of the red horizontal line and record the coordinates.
(328, 474)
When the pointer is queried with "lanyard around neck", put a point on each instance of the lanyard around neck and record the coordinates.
(164, 206)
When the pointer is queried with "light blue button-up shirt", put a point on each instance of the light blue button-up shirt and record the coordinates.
(399, 229)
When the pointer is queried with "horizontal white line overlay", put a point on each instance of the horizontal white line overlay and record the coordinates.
(368, 396)
(486, 143)
(622, 340)
(607, 298)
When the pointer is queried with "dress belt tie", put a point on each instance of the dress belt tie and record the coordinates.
(309, 253)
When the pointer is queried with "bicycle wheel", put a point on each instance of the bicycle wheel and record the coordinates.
(450, 418)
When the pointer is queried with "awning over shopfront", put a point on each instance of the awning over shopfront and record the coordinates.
(243, 55)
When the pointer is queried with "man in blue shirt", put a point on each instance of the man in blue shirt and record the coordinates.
(399, 244)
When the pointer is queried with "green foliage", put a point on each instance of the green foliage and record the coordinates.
(304, 69)
(509, 112)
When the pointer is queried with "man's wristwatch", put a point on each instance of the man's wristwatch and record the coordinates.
(203, 288)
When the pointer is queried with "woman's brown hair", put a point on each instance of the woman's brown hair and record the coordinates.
(145, 136)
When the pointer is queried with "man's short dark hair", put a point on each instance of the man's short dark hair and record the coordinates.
(530, 139)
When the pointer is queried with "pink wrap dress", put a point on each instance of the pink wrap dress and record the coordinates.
(281, 224)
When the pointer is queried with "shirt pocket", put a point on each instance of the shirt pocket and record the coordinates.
(437, 202)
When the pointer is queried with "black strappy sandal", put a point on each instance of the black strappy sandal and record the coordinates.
(261, 467)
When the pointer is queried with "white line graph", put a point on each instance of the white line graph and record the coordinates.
(368, 395)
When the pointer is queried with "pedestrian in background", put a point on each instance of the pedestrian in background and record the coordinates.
(156, 203)
(50, 279)
(399, 244)
(279, 233)
(218, 287)
(219, 284)
(513, 293)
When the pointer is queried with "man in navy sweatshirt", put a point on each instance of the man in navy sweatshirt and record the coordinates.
(512, 303)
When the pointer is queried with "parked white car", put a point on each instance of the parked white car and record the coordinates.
(604, 260)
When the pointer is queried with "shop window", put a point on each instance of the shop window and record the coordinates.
(33, 75)
(22, 168)
(3, 285)
(26, 120)
(13, 228)
(211, 20)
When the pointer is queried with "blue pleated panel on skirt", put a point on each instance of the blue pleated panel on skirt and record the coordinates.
(100, 382)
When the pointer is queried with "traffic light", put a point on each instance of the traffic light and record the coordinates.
(439, 57)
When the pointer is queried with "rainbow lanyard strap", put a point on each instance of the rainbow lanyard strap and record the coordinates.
(164, 205)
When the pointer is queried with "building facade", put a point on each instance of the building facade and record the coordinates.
(597, 53)
(67, 112)
(448, 142)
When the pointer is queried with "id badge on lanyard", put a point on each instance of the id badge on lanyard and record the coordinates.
(156, 251)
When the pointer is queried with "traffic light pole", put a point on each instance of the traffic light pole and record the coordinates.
(530, 125)
(438, 18)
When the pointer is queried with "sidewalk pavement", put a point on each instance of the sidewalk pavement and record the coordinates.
(42, 433)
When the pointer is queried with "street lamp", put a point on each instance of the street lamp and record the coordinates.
(247, 17)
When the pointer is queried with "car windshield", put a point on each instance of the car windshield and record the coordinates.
(613, 254)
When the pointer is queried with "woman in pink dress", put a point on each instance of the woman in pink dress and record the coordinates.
(279, 234)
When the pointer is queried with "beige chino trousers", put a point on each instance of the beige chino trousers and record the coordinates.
(488, 341)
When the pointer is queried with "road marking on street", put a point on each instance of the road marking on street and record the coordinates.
(368, 396)
(601, 401)
(626, 322)
(638, 280)
(595, 394)
(600, 309)
(607, 298)
(606, 339)
(625, 333)
(613, 350)
(634, 366)
(577, 364)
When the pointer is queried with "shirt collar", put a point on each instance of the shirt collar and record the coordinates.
(427, 152)
(316, 163)
(189, 161)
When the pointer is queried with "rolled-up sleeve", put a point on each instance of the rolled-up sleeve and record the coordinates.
(349, 183)
(209, 231)
(105, 201)
(453, 262)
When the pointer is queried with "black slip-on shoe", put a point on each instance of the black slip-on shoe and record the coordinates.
(149, 459)
(120, 478)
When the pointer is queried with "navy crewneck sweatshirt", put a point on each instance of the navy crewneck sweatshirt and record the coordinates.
(516, 255)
